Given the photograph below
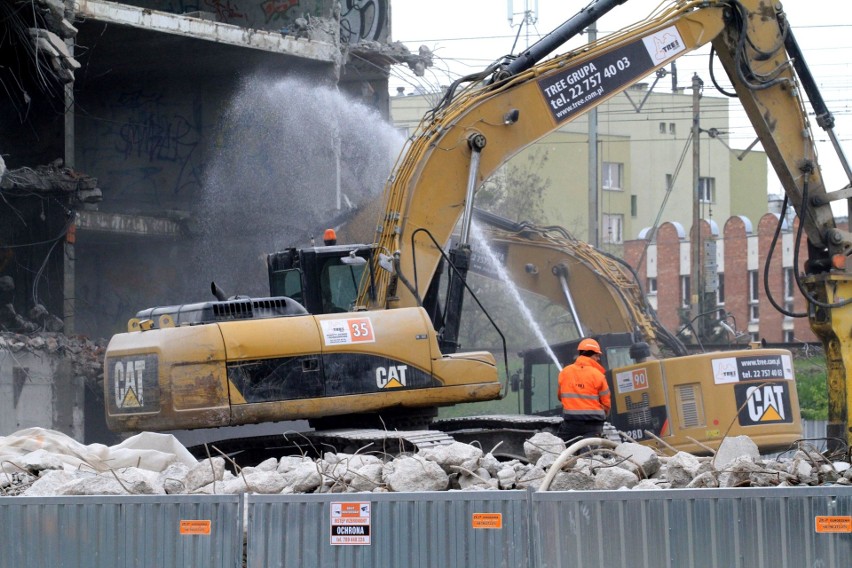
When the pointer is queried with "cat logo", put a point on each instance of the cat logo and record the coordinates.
(128, 383)
(766, 403)
(392, 377)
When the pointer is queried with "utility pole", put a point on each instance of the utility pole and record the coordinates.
(695, 250)
(593, 160)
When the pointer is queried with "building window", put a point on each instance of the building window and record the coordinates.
(753, 295)
(652, 285)
(720, 291)
(672, 128)
(753, 286)
(612, 229)
(662, 128)
(634, 205)
(754, 312)
(684, 292)
(707, 189)
(611, 175)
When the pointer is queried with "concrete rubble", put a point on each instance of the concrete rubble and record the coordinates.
(41, 462)
(86, 355)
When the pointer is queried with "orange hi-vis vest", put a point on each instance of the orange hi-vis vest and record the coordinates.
(583, 390)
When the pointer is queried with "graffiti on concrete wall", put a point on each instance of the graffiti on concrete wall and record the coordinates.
(362, 20)
(145, 145)
(225, 10)
(154, 133)
(276, 10)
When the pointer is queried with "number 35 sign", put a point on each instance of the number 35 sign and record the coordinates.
(345, 331)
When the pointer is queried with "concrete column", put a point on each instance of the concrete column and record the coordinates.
(69, 291)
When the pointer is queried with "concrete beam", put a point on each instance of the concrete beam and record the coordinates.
(97, 221)
(197, 28)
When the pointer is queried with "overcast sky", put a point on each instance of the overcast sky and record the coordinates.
(467, 35)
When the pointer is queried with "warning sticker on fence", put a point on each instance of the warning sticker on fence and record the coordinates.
(195, 527)
(487, 520)
(829, 524)
(350, 523)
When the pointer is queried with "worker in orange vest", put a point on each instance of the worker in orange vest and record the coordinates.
(584, 393)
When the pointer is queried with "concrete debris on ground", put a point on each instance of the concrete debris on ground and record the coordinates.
(40, 462)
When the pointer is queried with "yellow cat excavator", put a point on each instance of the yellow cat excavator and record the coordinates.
(350, 334)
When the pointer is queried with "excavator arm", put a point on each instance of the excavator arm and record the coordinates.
(770, 86)
(487, 123)
(601, 292)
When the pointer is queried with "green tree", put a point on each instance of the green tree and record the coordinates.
(812, 386)
(516, 191)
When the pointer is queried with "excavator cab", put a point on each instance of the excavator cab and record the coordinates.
(323, 279)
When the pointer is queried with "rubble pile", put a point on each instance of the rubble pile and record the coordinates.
(39, 462)
(86, 355)
(54, 177)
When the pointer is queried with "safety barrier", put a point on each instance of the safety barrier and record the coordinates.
(121, 532)
(700, 528)
(485, 529)
(703, 528)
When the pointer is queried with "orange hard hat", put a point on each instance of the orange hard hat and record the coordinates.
(589, 344)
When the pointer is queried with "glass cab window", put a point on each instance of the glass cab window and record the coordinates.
(287, 283)
(339, 284)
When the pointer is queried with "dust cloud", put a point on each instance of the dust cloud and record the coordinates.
(272, 181)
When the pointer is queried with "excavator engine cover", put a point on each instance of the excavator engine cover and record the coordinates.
(285, 368)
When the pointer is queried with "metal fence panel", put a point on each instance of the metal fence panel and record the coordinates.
(434, 529)
(718, 528)
(121, 532)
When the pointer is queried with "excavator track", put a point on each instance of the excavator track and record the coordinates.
(376, 441)
(245, 452)
(501, 434)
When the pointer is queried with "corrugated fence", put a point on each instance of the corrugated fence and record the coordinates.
(707, 528)
(418, 530)
(121, 532)
(713, 528)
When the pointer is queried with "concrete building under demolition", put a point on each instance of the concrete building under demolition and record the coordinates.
(118, 115)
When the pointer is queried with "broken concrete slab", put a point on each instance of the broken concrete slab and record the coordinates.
(415, 473)
(543, 443)
(734, 447)
(614, 478)
(645, 458)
